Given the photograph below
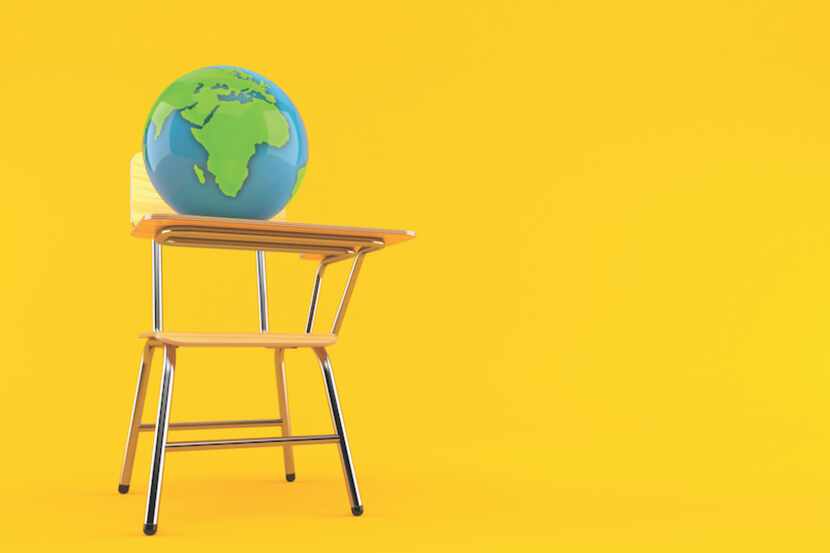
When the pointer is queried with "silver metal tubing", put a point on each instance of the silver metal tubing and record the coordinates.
(347, 293)
(282, 392)
(204, 425)
(157, 301)
(262, 291)
(162, 418)
(340, 428)
(364, 250)
(248, 245)
(135, 419)
(253, 442)
(315, 294)
(253, 237)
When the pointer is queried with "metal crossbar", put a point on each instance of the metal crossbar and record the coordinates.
(203, 425)
(292, 242)
(253, 442)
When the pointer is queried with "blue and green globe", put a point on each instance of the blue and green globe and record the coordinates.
(225, 142)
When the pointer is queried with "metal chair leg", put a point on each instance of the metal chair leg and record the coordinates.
(135, 419)
(340, 429)
(287, 451)
(160, 441)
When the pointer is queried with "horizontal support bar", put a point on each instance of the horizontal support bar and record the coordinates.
(245, 245)
(254, 442)
(199, 425)
(273, 240)
(291, 237)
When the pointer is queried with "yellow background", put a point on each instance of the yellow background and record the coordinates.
(610, 334)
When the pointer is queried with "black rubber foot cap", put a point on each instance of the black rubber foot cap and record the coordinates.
(150, 529)
(290, 477)
(357, 511)
(123, 488)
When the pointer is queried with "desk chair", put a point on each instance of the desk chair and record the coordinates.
(151, 218)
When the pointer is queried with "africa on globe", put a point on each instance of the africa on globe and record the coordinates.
(225, 142)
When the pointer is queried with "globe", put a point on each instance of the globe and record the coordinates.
(225, 142)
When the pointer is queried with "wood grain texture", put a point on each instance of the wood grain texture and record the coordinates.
(239, 339)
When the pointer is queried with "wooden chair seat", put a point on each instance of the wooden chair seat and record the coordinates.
(240, 339)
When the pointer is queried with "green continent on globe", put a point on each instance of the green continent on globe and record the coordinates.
(200, 173)
(300, 175)
(231, 113)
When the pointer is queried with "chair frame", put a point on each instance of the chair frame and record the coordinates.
(328, 249)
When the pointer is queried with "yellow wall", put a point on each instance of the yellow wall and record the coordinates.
(610, 334)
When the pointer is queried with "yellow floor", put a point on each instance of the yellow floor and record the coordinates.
(443, 502)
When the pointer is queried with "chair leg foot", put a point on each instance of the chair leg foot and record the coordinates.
(340, 429)
(135, 419)
(160, 441)
(282, 392)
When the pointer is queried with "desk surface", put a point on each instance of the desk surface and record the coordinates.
(150, 225)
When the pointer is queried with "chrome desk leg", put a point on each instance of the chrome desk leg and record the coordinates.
(315, 294)
(262, 291)
(287, 450)
(157, 285)
(160, 441)
(135, 419)
(340, 429)
(347, 293)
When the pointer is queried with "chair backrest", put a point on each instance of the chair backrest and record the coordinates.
(144, 200)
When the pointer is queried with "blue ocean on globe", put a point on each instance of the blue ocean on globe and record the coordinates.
(225, 142)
